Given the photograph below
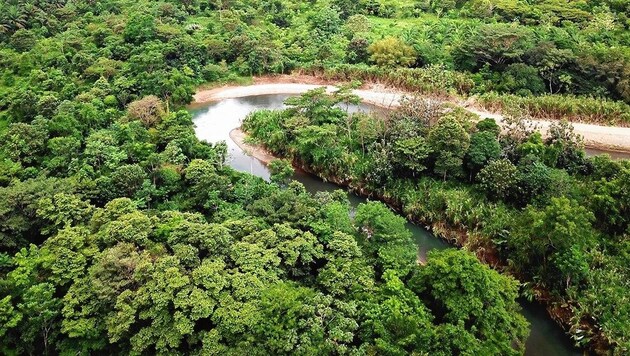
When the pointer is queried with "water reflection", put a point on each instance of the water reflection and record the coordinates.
(214, 122)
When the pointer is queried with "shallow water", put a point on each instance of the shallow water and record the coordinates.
(215, 120)
(612, 154)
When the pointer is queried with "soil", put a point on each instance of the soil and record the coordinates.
(595, 136)
(238, 136)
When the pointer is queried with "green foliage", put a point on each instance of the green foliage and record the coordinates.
(24, 142)
(10, 317)
(449, 142)
(391, 52)
(281, 171)
(555, 241)
(140, 28)
(521, 79)
(23, 40)
(484, 147)
(199, 259)
(411, 153)
(535, 179)
(498, 178)
(460, 291)
(433, 79)
(495, 45)
(561, 107)
(401, 322)
(136, 283)
(488, 125)
(127, 179)
(385, 238)
(611, 201)
(533, 204)
(565, 147)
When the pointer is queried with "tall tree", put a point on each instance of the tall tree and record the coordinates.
(449, 142)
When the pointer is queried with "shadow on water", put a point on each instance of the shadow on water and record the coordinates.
(215, 120)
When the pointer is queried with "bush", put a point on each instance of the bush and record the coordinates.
(110, 101)
(560, 107)
(391, 52)
(23, 40)
(215, 72)
(521, 79)
(498, 179)
(149, 110)
(433, 79)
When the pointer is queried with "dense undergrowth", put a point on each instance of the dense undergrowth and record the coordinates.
(509, 52)
(538, 209)
(121, 233)
(440, 82)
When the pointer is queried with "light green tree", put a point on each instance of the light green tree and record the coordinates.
(449, 141)
(391, 52)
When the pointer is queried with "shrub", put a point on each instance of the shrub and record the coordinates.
(149, 110)
(391, 52)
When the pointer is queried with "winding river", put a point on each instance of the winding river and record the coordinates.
(214, 121)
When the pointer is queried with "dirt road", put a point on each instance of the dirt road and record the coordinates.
(601, 137)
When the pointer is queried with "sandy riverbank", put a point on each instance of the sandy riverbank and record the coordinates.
(258, 152)
(238, 136)
(595, 136)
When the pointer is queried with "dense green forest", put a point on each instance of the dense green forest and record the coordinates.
(534, 55)
(121, 233)
(538, 209)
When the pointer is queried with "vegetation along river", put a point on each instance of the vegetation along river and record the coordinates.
(215, 120)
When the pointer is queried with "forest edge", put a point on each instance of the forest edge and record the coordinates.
(610, 138)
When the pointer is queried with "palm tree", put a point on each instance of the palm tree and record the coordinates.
(12, 19)
(31, 12)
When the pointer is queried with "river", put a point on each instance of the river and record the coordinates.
(215, 120)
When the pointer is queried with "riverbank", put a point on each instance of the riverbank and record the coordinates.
(454, 236)
(215, 121)
(260, 153)
(607, 138)
(238, 136)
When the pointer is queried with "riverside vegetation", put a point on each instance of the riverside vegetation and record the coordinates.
(552, 58)
(121, 233)
(535, 208)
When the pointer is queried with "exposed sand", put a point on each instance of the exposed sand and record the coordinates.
(238, 136)
(602, 137)
(258, 152)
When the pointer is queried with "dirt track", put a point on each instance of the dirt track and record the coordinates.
(601, 137)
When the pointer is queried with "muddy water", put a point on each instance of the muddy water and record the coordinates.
(612, 154)
(215, 120)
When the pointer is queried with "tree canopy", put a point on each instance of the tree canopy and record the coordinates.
(538, 209)
(122, 233)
